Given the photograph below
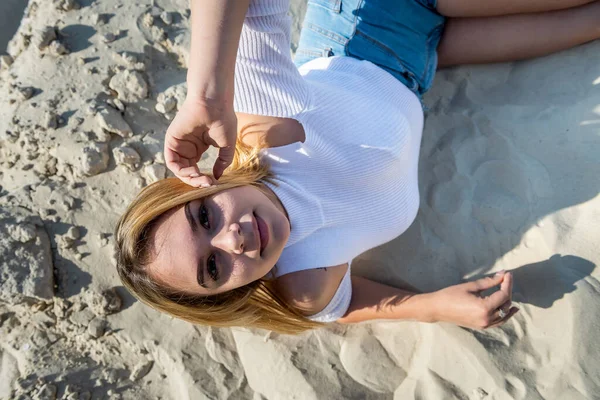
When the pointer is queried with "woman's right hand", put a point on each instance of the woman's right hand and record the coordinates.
(199, 124)
(463, 305)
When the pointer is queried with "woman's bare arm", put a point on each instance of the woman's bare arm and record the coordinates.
(216, 30)
(373, 300)
(461, 304)
(207, 117)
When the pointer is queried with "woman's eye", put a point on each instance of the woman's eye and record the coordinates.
(204, 217)
(211, 266)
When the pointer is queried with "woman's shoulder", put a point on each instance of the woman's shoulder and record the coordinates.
(311, 290)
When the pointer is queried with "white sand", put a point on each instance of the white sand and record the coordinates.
(509, 180)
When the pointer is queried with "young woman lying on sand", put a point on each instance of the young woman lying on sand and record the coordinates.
(325, 163)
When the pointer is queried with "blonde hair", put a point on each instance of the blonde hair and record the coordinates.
(256, 304)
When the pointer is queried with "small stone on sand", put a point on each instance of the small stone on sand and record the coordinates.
(95, 159)
(111, 120)
(127, 156)
(130, 86)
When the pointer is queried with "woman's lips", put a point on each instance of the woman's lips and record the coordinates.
(263, 231)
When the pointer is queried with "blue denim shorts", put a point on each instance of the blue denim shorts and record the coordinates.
(400, 36)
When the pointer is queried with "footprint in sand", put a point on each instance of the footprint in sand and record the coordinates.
(501, 195)
(488, 178)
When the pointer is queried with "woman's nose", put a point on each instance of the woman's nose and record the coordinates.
(232, 239)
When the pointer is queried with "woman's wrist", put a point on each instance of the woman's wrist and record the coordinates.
(213, 90)
(430, 310)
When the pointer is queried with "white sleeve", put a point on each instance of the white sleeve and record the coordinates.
(266, 80)
(339, 303)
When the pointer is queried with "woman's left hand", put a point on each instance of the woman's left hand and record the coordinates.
(199, 124)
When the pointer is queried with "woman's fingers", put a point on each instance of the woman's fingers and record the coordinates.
(223, 161)
(225, 136)
(512, 312)
(192, 176)
(497, 299)
(197, 181)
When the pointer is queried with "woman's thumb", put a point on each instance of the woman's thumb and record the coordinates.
(223, 160)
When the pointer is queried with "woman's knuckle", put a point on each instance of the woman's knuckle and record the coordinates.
(484, 322)
(483, 311)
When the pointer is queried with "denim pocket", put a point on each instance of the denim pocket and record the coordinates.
(365, 47)
(332, 5)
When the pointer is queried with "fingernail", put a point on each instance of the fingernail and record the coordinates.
(500, 272)
(205, 185)
(194, 175)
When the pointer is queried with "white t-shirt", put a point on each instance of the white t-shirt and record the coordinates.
(352, 185)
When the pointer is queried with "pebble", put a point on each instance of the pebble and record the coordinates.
(129, 85)
(141, 370)
(109, 37)
(50, 120)
(108, 302)
(67, 5)
(5, 62)
(166, 17)
(95, 159)
(148, 20)
(44, 36)
(97, 327)
(26, 92)
(74, 233)
(111, 120)
(103, 238)
(166, 105)
(127, 156)
(57, 48)
(159, 157)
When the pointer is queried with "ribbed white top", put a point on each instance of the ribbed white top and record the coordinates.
(352, 185)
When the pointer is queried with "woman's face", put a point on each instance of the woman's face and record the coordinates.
(219, 243)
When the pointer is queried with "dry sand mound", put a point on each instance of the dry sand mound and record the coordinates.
(508, 176)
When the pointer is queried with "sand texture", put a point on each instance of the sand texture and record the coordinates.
(509, 179)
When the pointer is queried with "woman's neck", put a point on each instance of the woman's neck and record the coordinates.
(267, 191)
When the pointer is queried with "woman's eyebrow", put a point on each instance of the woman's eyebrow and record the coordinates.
(194, 226)
(190, 218)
